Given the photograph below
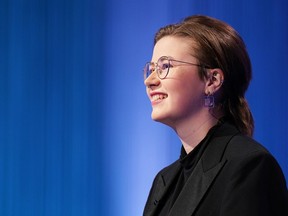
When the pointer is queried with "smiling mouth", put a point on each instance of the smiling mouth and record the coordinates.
(158, 97)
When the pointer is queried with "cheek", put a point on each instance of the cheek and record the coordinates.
(187, 98)
(188, 94)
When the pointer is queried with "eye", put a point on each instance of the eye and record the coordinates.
(163, 68)
(165, 65)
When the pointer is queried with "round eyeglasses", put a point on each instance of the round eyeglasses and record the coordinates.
(162, 67)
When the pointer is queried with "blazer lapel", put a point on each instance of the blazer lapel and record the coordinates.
(162, 184)
(194, 190)
(204, 173)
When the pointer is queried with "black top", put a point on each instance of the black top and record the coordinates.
(188, 162)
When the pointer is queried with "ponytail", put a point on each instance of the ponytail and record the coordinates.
(238, 113)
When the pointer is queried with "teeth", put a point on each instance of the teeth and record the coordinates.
(158, 97)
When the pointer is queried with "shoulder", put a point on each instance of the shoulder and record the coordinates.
(234, 144)
(241, 145)
(245, 150)
(246, 156)
(242, 153)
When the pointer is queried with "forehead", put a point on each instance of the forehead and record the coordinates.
(176, 47)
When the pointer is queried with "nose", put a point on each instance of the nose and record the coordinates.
(152, 80)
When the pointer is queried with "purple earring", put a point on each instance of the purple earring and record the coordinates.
(209, 100)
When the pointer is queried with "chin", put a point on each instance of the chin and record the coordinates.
(162, 119)
(157, 117)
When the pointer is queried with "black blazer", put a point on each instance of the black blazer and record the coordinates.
(235, 176)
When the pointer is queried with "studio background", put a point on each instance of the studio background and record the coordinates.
(76, 137)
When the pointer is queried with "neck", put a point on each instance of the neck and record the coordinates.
(192, 132)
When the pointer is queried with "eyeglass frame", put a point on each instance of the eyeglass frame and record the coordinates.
(146, 68)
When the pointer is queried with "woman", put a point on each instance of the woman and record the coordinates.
(196, 81)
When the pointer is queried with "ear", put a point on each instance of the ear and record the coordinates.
(214, 81)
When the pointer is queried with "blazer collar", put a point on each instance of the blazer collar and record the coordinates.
(204, 173)
(200, 180)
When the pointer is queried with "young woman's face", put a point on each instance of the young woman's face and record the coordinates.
(180, 95)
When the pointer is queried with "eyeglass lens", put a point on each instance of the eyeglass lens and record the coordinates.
(162, 68)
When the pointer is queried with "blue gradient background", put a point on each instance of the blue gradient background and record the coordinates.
(76, 136)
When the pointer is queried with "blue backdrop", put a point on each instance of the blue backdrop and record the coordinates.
(76, 136)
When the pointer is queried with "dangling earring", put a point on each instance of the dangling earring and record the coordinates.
(209, 100)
